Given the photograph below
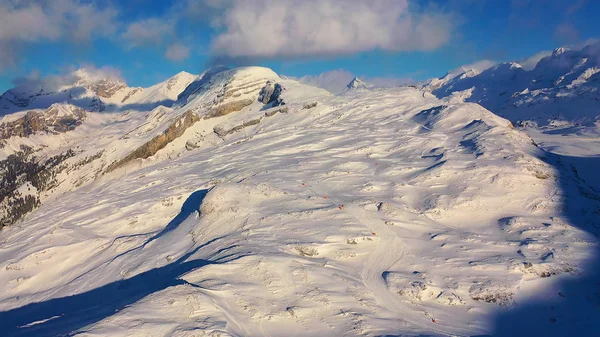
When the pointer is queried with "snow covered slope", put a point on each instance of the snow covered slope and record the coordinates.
(562, 88)
(280, 209)
(56, 128)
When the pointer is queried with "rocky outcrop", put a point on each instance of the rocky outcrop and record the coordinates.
(174, 131)
(229, 127)
(106, 88)
(223, 130)
(308, 106)
(227, 108)
(271, 94)
(130, 93)
(52, 120)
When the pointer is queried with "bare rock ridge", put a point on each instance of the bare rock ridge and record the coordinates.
(105, 88)
(273, 103)
(230, 97)
(53, 120)
(174, 131)
(219, 92)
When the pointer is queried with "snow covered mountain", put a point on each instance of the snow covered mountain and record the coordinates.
(250, 205)
(562, 88)
(90, 91)
(356, 84)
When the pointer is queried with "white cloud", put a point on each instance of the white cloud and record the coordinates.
(292, 28)
(23, 22)
(333, 81)
(87, 20)
(177, 52)
(530, 62)
(148, 32)
(68, 77)
(388, 81)
(29, 23)
(479, 65)
(94, 73)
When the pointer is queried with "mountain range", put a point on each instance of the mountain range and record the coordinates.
(239, 202)
(563, 88)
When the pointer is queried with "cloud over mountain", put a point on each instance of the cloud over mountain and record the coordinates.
(23, 22)
(336, 80)
(290, 28)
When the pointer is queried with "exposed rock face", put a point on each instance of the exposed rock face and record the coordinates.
(131, 93)
(227, 108)
(219, 91)
(308, 106)
(174, 131)
(102, 85)
(271, 94)
(52, 120)
(106, 88)
(222, 130)
(227, 128)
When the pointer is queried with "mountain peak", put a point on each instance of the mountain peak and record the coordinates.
(558, 51)
(101, 82)
(356, 83)
(179, 82)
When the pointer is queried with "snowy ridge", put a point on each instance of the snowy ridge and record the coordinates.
(92, 93)
(562, 88)
(369, 213)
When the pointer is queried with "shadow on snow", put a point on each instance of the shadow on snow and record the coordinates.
(573, 305)
(65, 315)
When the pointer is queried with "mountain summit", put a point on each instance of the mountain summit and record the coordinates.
(355, 84)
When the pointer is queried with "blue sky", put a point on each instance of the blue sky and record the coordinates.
(149, 41)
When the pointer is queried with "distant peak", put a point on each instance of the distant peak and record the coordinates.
(559, 51)
(356, 83)
(179, 81)
(104, 83)
(183, 74)
(506, 66)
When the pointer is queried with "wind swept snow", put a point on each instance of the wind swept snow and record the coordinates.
(385, 212)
